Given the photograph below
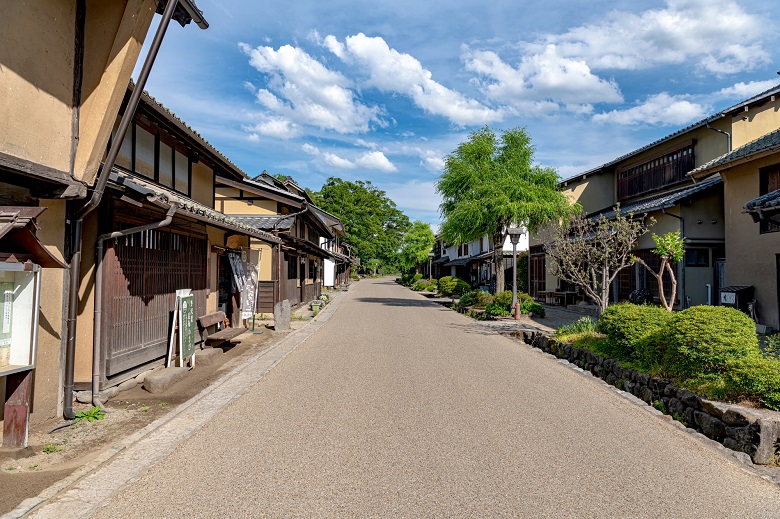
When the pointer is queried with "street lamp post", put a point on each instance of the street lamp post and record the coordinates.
(430, 263)
(514, 236)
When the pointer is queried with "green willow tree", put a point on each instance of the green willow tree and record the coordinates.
(417, 243)
(490, 182)
(373, 225)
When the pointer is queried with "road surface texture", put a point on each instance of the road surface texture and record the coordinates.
(399, 407)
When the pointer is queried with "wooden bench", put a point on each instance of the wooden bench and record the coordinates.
(222, 334)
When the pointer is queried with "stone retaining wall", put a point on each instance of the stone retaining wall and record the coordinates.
(752, 431)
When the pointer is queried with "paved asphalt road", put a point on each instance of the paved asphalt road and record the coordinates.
(400, 407)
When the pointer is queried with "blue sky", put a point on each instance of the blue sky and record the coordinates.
(384, 91)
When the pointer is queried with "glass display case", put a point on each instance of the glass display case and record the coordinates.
(20, 287)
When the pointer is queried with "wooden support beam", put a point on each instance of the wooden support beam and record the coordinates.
(16, 424)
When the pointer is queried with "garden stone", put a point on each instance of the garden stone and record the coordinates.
(738, 446)
(738, 417)
(643, 378)
(710, 426)
(567, 350)
(610, 379)
(128, 384)
(690, 417)
(675, 406)
(599, 371)
(646, 394)
(670, 390)
(713, 408)
(629, 386)
(688, 398)
(741, 434)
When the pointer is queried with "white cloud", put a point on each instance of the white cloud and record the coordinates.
(719, 37)
(376, 160)
(392, 71)
(366, 144)
(660, 109)
(542, 76)
(273, 126)
(303, 92)
(743, 90)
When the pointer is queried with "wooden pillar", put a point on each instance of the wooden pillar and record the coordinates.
(16, 425)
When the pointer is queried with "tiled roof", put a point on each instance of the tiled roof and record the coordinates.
(663, 200)
(767, 202)
(690, 127)
(266, 223)
(188, 206)
(443, 259)
(458, 262)
(768, 142)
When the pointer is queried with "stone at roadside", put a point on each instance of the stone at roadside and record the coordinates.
(207, 356)
(282, 315)
(158, 381)
(128, 384)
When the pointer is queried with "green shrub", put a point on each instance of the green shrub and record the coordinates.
(420, 286)
(496, 310)
(706, 339)
(527, 307)
(467, 299)
(452, 286)
(504, 298)
(754, 378)
(523, 297)
(433, 283)
(632, 330)
(583, 325)
(480, 299)
(416, 278)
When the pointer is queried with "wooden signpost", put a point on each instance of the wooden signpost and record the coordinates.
(183, 328)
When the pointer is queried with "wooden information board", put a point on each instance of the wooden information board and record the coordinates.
(186, 323)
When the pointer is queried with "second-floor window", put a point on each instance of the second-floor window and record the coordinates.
(154, 154)
(665, 169)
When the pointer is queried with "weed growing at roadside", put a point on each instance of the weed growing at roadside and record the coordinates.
(661, 406)
(93, 414)
(51, 448)
(144, 409)
(680, 418)
(32, 467)
(162, 404)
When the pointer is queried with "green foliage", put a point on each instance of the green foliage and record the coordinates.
(706, 339)
(476, 298)
(505, 298)
(93, 414)
(453, 286)
(754, 378)
(632, 330)
(496, 310)
(374, 226)
(424, 286)
(354, 277)
(661, 406)
(51, 448)
(671, 246)
(416, 278)
(490, 182)
(416, 244)
(522, 272)
(772, 348)
(532, 307)
(582, 326)
(525, 298)
(680, 418)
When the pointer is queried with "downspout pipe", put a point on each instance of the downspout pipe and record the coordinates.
(97, 328)
(683, 301)
(94, 201)
(727, 134)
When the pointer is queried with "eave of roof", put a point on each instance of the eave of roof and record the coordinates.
(187, 206)
(660, 201)
(698, 124)
(266, 223)
(764, 145)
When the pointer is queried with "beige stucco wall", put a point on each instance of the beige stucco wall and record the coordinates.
(594, 193)
(265, 271)
(36, 78)
(750, 256)
(758, 121)
(113, 35)
(36, 81)
(50, 232)
(85, 318)
(202, 188)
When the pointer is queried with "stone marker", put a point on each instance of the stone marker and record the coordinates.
(282, 315)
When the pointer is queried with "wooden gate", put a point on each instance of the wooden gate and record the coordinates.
(141, 274)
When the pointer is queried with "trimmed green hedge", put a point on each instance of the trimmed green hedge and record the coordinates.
(452, 286)
(632, 330)
(707, 339)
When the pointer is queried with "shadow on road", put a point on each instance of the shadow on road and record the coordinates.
(391, 301)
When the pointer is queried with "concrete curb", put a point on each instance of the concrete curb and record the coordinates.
(89, 487)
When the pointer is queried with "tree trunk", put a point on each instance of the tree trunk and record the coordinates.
(498, 261)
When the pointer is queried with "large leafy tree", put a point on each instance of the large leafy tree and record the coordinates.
(417, 243)
(490, 182)
(374, 226)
